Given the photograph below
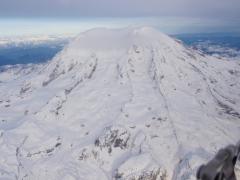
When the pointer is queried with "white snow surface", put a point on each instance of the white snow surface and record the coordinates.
(127, 103)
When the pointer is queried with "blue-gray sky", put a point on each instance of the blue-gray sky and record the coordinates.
(109, 8)
(169, 15)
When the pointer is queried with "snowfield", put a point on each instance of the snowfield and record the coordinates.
(126, 104)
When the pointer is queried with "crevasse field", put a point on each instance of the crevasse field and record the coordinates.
(127, 103)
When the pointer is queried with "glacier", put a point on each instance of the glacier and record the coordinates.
(129, 103)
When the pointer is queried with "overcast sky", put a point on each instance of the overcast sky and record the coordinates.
(181, 14)
(109, 8)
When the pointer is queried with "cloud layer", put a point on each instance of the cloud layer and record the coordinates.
(227, 9)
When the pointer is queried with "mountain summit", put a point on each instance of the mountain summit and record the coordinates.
(126, 104)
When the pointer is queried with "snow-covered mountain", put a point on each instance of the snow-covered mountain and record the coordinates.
(126, 104)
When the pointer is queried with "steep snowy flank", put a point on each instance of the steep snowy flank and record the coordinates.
(128, 103)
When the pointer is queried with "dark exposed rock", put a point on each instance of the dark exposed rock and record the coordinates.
(58, 144)
(228, 110)
(54, 75)
(113, 137)
(154, 174)
(97, 142)
(87, 153)
(26, 88)
(83, 155)
(148, 125)
(93, 70)
(231, 72)
(50, 150)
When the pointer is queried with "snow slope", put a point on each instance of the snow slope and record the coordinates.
(127, 103)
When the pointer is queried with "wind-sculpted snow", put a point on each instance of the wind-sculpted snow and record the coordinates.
(118, 104)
